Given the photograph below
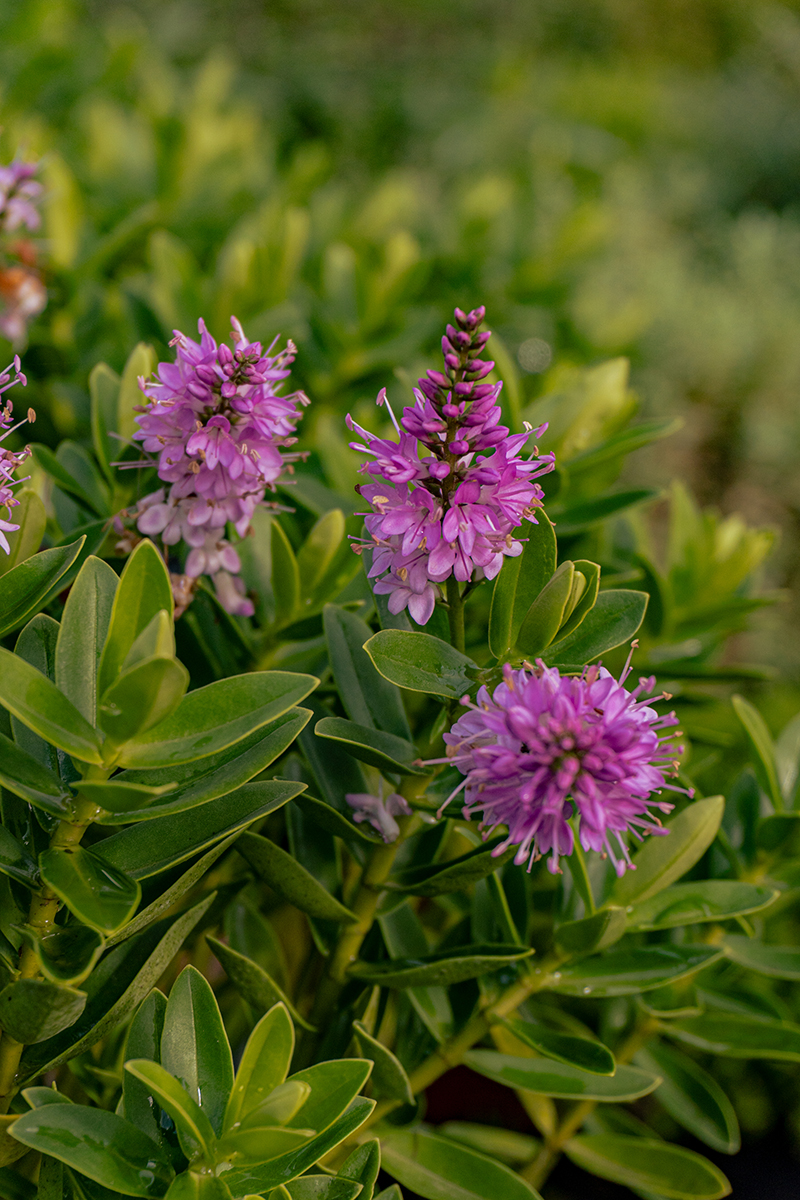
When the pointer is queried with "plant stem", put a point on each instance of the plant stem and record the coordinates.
(455, 613)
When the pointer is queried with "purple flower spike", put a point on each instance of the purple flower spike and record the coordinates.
(449, 493)
(541, 748)
(9, 459)
(218, 426)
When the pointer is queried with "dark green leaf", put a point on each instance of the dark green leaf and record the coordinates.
(252, 982)
(34, 1009)
(382, 750)
(545, 615)
(692, 1097)
(703, 900)
(762, 747)
(662, 860)
(103, 391)
(334, 822)
(520, 582)
(625, 972)
(779, 834)
(66, 955)
(438, 970)
(73, 473)
(31, 516)
(22, 774)
(389, 1079)
(195, 1135)
(194, 1046)
(405, 938)
(453, 875)
(38, 703)
(592, 933)
(84, 626)
(369, 699)
(421, 663)
(100, 895)
(738, 1036)
(16, 860)
(647, 1163)
(588, 512)
(117, 796)
(613, 621)
(285, 578)
(144, 589)
(782, 962)
(144, 1041)
(583, 1053)
(289, 879)
(362, 1166)
(558, 1079)
(440, 1169)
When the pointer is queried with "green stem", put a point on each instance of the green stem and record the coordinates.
(577, 867)
(455, 613)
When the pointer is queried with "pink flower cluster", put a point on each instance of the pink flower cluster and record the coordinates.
(452, 509)
(22, 291)
(217, 425)
(18, 193)
(541, 747)
(9, 459)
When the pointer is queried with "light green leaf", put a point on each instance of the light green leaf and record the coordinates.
(382, 750)
(700, 901)
(439, 1169)
(103, 392)
(264, 1064)
(368, 698)
(581, 605)
(362, 1166)
(662, 860)
(323, 1187)
(421, 663)
(583, 1053)
(614, 620)
(782, 962)
(84, 626)
(23, 588)
(141, 698)
(198, 1185)
(32, 1010)
(576, 517)
(141, 361)
(439, 970)
(647, 1163)
(194, 1045)
(318, 551)
(254, 1145)
(31, 516)
(101, 896)
(144, 589)
(692, 1097)
(738, 1036)
(389, 1079)
(507, 1145)
(762, 747)
(544, 617)
(38, 703)
(290, 879)
(253, 983)
(561, 1080)
(22, 774)
(520, 582)
(625, 972)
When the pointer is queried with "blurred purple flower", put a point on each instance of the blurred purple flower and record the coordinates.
(541, 747)
(380, 814)
(10, 459)
(219, 428)
(451, 511)
(18, 193)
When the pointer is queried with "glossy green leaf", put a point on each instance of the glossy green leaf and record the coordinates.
(281, 1105)
(36, 645)
(368, 698)
(584, 603)
(405, 937)
(157, 640)
(153, 846)
(72, 470)
(762, 748)
(253, 983)
(118, 796)
(453, 875)
(421, 663)
(263, 1066)
(22, 774)
(507, 1145)
(142, 697)
(671, 1171)
(31, 516)
(439, 1169)
(323, 1187)
(197, 1185)
(289, 879)
(194, 1045)
(334, 1085)
(700, 901)
(560, 1080)
(68, 954)
(382, 750)
(738, 1036)
(195, 783)
(520, 582)
(144, 589)
(194, 1130)
(99, 1144)
(38, 703)
(613, 621)
(100, 895)
(597, 932)
(389, 1079)
(438, 970)
(335, 822)
(260, 1144)
(662, 860)
(34, 1009)
(285, 578)
(544, 617)
(362, 1166)
(219, 715)
(84, 627)
(782, 962)
(625, 972)
(103, 392)
(23, 588)
(16, 861)
(583, 1053)
(144, 1041)
(692, 1097)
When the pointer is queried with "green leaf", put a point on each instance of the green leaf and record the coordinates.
(16, 1187)
(455, 874)
(389, 1079)
(99, 1144)
(368, 698)
(219, 715)
(141, 698)
(144, 1041)
(334, 1085)
(544, 617)
(198, 1185)
(583, 1053)
(323, 1187)
(439, 1169)
(613, 621)
(84, 626)
(586, 600)
(591, 933)
(662, 860)
(34, 1009)
(254, 1145)
(510, 1147)
(762, 747)
(779, 834)
(647, 1163)
(289, 879)
(738, 1036)
(194, 1046)
(72, 470)
(576, 517)
(154, 846)
(264, 1064)
(317, 553)
(23, 588)
(421, 663)
(66, 955)
(101, 896)
(257, 1180)
(438, 970)
(362, 1166)
(103, 392)
(520, 582)
(782, 962)
(382, 750)
(116, 986)
(119, 796)
(16, 861)
(141, 361)
(206, 779)
(692, 1097)
(637, 969)
(700, 901)
(332, 821)
(31, 516)
(552, 1078)
(144, 589)
(285, 578)
(194, 1130)
(22, 774)
(405, 937)
(38, 703)
(253, 983)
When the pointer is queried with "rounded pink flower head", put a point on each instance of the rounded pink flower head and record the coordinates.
(543, 747)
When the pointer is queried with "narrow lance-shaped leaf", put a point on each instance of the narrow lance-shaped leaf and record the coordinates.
(291, 880)
(38, 703)
(649, 1164)
(520, 582)
(762, 747)
(194, 1045)
(84, 626)
(144, 588)
(662, 860)
(440, 1169)
(24, 587)
(368, 698)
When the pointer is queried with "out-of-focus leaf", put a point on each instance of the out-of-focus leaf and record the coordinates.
(645, 1163)
(31, 516)
(285, 578)
(597, 932)
(625, 972)
(782, 962)
(505, 1144)
(561, 1080)
(440, 1169)
(762, 747)
(103, 392)
(703, 900)
(32, 1010)
(520, 582)
(692, 1097)
(738, 1036)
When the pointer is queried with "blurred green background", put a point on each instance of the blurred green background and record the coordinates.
(610, 177)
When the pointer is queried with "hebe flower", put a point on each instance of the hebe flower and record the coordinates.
(218, 426)
(541, 747)
(18, 193)
(449, 493)
(22, 291)
(9, 459)
(379, 812)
